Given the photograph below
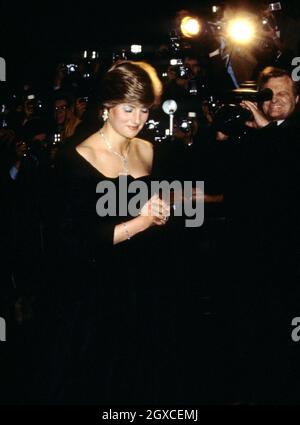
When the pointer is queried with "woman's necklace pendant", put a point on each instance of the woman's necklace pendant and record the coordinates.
(124, 158)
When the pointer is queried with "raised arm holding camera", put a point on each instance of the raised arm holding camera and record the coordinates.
(281, 107)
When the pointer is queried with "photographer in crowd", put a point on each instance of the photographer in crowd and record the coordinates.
(268, 155)
(263, 208)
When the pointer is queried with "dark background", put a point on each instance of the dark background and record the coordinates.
(36, 35)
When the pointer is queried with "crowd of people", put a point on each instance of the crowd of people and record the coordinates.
(141, 309)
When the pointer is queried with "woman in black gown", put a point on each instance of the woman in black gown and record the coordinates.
(110, 327)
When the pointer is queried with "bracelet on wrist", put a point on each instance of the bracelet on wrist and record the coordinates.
(126, 230)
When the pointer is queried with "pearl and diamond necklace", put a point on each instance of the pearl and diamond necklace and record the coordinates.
(124, 158)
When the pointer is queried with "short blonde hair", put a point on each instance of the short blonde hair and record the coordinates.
(271, 72)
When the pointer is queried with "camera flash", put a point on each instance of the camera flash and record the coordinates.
(136, 48)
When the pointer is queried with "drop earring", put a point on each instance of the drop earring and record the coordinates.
(105, 115)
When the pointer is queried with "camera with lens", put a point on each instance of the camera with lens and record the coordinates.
(33, 105)
(71, 67)
(180, 69)
(230, 117)
(185, 125)
(183, 72)
(268, 22)
(155, 130)
(83, 99)
(269, 18)
(176, 52)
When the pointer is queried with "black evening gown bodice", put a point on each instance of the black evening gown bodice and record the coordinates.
(111, 306)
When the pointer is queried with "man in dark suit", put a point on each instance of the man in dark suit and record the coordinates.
(265, 220)
(274, 149)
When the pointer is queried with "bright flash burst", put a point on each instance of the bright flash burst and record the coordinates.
(241, 30)
(190, 26)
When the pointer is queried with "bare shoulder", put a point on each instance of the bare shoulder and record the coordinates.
(89, 143)
(143, 155)
(89, 146)
(143, 147)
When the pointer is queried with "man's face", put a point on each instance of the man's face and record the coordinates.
(194, 66)
(284, 100)
(60, 111)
